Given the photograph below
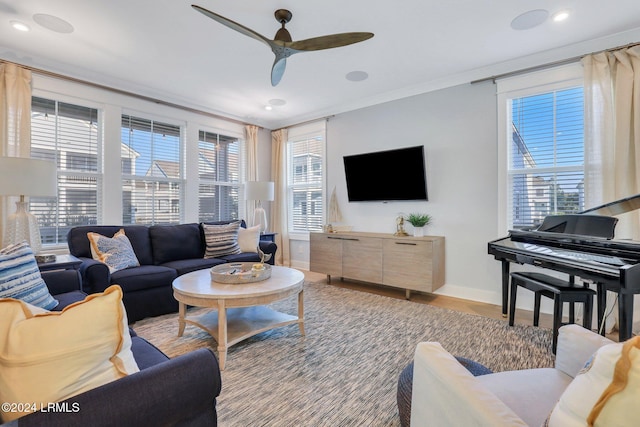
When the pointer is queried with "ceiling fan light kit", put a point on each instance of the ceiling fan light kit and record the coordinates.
(282, 44)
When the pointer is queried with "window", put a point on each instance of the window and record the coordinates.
(69, 135)
(151, 172)
(545, 152)
(305, 153)
(219, 169)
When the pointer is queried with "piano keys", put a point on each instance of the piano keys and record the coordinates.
(580, 245)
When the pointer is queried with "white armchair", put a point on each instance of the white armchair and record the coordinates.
(446, 394)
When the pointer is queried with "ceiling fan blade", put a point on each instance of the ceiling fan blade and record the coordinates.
(233, 25)
(277, 70)
(329, 42)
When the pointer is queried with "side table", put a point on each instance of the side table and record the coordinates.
(63, 262)
(270, 237)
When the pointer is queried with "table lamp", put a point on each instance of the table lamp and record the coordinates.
(259, 191)
(20, 176)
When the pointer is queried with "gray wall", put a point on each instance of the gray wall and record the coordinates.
(457, 127)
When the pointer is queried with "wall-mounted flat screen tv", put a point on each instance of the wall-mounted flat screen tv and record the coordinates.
(397, 174)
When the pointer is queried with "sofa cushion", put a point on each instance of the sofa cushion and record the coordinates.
(20, 277)
(144, 277)
(606, 391)
(115, 251)
(68, 298)
(221, 239)
(530, 393)
(175, 242)
(242, 257)
(52, 356)
(138, 236)
(249, 239)
(185, 266)
(145, 353)
(446, 394)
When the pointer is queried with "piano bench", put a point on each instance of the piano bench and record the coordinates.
(559, 290)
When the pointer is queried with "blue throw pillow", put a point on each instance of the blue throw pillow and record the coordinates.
(115, 251)
(20, 277)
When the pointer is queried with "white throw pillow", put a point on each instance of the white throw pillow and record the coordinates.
(116, 251)
(249, 239)
(20, 277)
(605, 392)
(47, 357)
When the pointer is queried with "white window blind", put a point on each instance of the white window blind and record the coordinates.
(305, 155)
(219, 171)
(69, 135)
(546, 156)
(152, 172)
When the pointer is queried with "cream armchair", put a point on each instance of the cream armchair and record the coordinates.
(446, 394)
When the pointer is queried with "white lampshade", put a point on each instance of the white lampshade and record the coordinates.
(259, 190)
(26, 177)
(21, 176)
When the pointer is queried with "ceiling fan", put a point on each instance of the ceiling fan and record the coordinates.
(282, 45)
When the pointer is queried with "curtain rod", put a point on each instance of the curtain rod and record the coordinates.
(127, 93)
(549, 64)
(306, 122)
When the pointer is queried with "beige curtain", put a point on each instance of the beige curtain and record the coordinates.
(251, 141)
(15, 122)
(612, 137)
(279, 213)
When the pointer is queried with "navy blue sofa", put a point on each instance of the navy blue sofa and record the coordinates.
(164, 252)
(166, 392)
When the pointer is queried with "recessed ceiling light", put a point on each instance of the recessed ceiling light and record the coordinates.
(20, 26)
(560, 16)
(268, 107)
(53, 23)
(357, 76)
(529, 19)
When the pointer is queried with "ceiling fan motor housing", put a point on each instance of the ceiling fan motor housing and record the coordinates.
(283, 16)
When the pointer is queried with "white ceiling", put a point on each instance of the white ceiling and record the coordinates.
(166, 50)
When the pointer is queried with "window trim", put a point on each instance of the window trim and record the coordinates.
(98, 175)
(299, 133)
(242, 168)
(556, 78)
(181, 180)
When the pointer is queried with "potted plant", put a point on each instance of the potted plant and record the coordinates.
(419, 221)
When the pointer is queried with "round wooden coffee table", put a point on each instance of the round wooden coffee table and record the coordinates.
(240, 309)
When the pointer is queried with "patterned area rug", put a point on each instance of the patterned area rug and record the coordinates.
(344, 372)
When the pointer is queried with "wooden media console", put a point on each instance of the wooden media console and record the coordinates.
(410, 263)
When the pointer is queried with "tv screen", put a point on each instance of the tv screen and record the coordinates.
(386, 175)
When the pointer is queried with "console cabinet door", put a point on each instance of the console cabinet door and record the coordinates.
(408, 264)
(325, 254)
(362, 259)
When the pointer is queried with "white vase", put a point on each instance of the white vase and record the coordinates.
(418, 231)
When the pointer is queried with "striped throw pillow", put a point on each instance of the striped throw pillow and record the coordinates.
(221, 239)
(20, 277)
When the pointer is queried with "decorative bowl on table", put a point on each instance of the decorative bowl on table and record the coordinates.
(237, 273)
